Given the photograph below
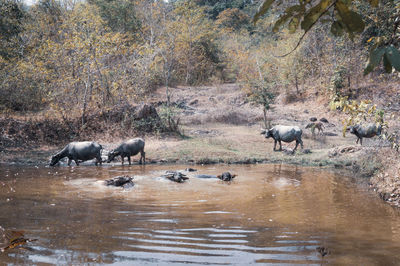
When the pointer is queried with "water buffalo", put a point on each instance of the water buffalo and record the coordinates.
(120, 181)
(284, 133)
(365, 131)
(127, 149)
(316, 125)
(79, 152)
(176, 176)
(226, 176)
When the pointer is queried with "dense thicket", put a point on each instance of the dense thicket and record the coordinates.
(74, 58)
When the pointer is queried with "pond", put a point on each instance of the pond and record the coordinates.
(269, 214)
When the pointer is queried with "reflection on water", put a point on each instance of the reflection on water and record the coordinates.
(270, 214)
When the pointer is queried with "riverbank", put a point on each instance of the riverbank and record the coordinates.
(218, 125)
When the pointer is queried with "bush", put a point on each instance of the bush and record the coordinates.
(338, 80)
(170, 119)
(231, 117)
(290, 97)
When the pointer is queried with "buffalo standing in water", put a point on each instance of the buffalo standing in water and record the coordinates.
(127, 149)
(365, 131)
(79, 152)
(284, 133)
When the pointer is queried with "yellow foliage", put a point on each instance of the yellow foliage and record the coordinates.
(357, 112)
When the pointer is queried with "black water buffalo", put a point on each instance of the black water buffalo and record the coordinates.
(127, 149)
(226, 176)
(176, 176)
(120, 181)
(365, 131)
(284, 133)
(79, 152)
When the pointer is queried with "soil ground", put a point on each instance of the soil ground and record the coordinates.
(220, 126)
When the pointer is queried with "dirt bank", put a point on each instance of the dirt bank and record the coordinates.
(220, 126)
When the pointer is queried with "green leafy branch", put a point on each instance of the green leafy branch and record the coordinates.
(343, 19)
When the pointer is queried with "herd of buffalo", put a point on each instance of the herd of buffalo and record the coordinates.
(87, 150)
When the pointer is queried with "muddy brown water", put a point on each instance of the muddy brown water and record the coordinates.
(270, 214)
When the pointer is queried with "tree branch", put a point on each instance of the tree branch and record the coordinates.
(304, 34)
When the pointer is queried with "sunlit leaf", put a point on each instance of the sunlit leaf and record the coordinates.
(293, 24)
(351, 20)
(374, 3)
(263, 9)
(337, 29)
(325, 20)
(314, 13)
(282, 20)
(289, 12)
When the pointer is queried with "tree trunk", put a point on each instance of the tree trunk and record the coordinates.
(265, 118)
(88, 91)
(151, 25)
(104, 83)
(167, 76)
(259, 71)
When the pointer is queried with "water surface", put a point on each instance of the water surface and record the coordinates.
(270, 214)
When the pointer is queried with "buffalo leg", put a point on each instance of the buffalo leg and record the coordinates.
(275, 145)
(360, 141)
(142, 155)
(357, 140)
(295, 147)
(76, 161)
(280, 145)
(122, 159)
(98, 159)
(129, 160)
(69, 161)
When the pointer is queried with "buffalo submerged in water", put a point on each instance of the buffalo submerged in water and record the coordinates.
(79, 152)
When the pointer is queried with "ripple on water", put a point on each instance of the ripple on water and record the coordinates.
(78, 220)
(209, 245)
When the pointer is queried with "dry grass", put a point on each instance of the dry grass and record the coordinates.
(232, 144)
